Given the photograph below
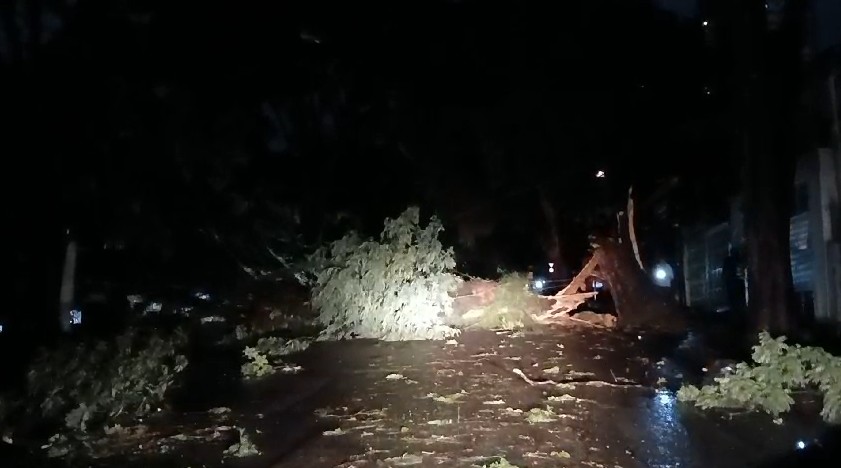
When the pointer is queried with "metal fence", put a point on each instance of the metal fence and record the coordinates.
(704, 256)
(705, 251)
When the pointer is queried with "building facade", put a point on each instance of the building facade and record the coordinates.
(815, 245)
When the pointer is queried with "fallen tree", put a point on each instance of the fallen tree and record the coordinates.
(637, 301)
(402, 286)
(504, 304)
(392, 288)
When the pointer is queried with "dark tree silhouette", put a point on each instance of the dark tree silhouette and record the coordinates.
(767, 67)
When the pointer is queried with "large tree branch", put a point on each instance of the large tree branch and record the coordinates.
(632, 234)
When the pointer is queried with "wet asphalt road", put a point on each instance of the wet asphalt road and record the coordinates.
(607, 398)
(615, 407)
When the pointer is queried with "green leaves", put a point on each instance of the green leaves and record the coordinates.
(392, 289)
(512, 306)
(257, 365)
(85, 384)
(780, 368)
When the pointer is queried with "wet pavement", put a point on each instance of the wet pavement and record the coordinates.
(596, 398)
(603, 396)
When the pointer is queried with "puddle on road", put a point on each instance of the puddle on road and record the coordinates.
(666, 441)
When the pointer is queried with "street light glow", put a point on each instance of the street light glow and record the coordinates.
(660, 273)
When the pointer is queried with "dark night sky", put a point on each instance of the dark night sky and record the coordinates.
(590, 85)
(158, 122)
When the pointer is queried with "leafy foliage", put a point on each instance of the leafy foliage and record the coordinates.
(274, 346)
(779, 368)
(500, 463)
(92, 384)
(392, 289)
(244, 448)
(258, 364)
(512, 306)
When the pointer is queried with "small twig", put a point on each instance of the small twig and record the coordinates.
(530, 381)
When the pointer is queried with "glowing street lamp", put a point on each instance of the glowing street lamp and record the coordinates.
(660, 273)
(663, 274)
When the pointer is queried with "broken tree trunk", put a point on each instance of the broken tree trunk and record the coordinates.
(639, 303)
(632, 234)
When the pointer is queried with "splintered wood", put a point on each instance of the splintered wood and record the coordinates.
(569, 298)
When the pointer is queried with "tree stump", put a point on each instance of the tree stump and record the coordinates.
(639, 303)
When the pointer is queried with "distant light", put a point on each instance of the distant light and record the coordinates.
(662, 274)
(597, 284)
(600, 175)
(1, 328)
(212, 318)
(538, 284)
(75, 317)
(551, 270)
(801, 445)
(706, 23)
(551, 264)
(202, 296)
(134, 299)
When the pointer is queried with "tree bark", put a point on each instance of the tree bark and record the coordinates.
(632, 233)
(767, 72)
(638, 302)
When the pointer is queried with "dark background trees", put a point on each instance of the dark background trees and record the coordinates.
(197, 142)
(763, 49)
